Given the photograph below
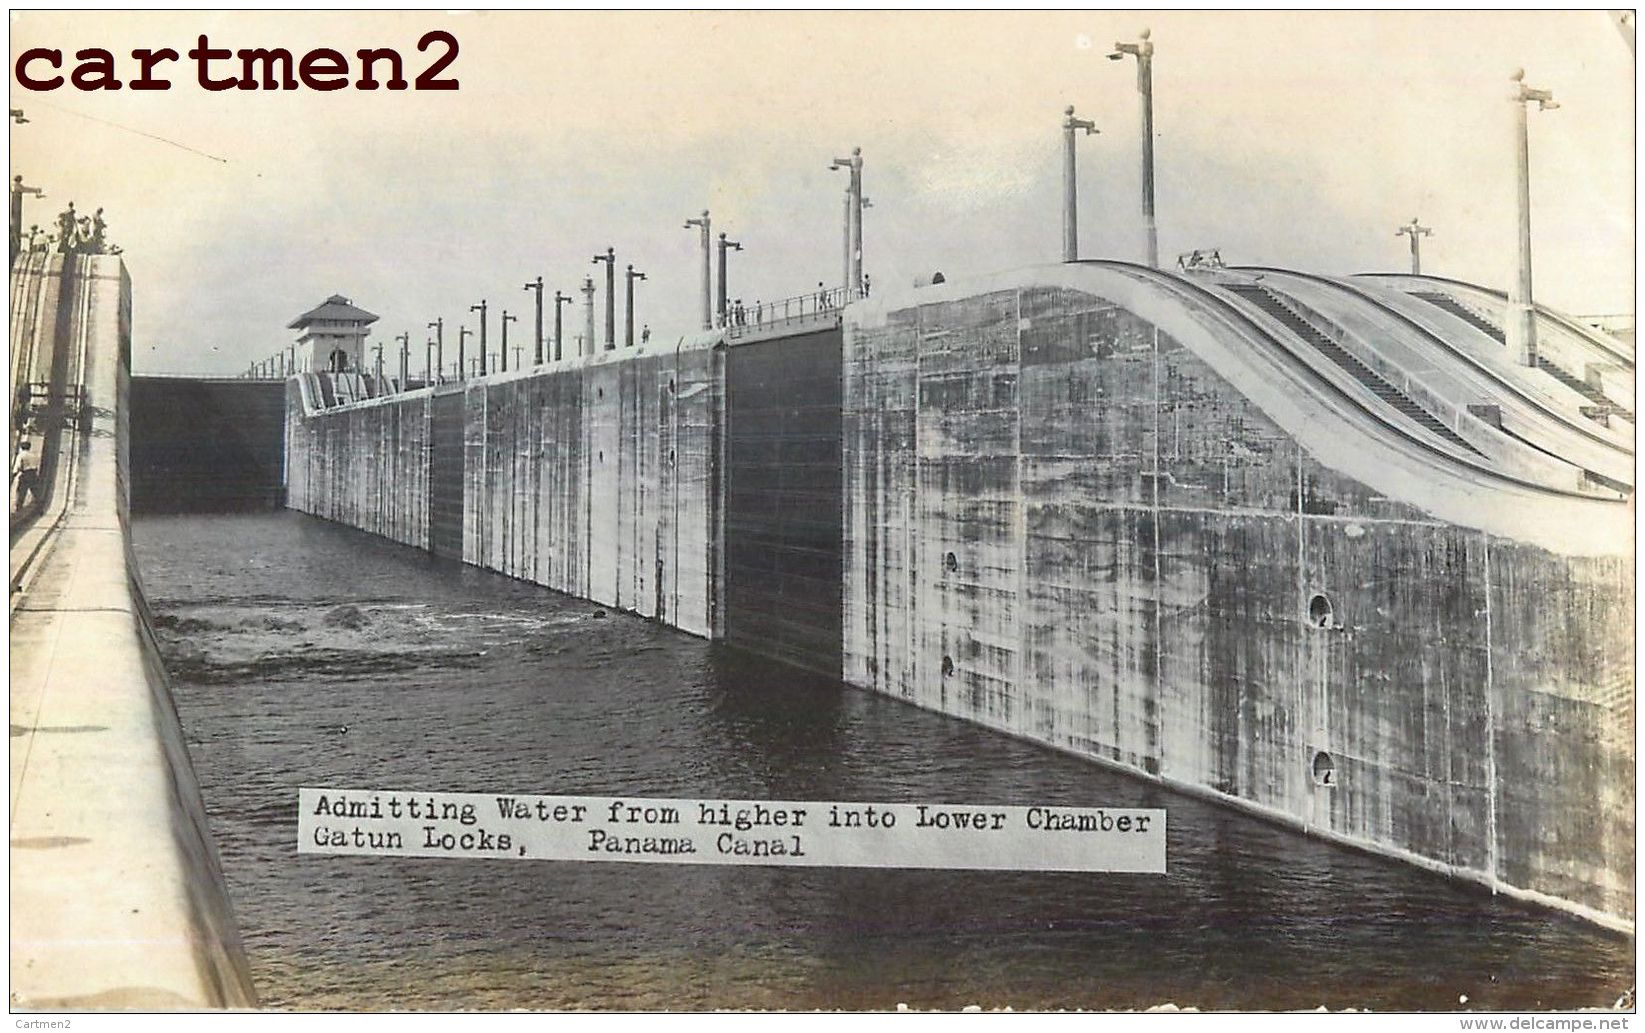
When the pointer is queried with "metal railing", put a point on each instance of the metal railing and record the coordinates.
(799, 308)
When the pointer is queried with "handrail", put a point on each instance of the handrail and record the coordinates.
(1434, 338)
(1588, 334)
(1229, 312)
(784, 311)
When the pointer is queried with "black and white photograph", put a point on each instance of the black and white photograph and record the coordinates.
(855, 511)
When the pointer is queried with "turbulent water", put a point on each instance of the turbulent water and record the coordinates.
(306, 654)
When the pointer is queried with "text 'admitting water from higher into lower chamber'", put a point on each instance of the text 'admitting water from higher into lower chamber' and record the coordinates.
(686, 831)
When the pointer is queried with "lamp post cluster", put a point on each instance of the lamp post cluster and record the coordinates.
(1521, 316)
(1143, 51)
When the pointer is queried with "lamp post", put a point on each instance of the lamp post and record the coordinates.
(610, 260)
(1143, 51)
(463, 334)
(559, 336)
(481, 309)
(502, 351)
(853, 221)
(1416, 232)
(703, 224)
(405, 358)
(428, 363)
(725, 245)
(17, 192)
(439, 328)
(628, 331)
(537, 285)
(588, 310)
(1070, 184)
(1522, 318)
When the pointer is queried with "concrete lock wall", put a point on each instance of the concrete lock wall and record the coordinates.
(598, 476)
(1064, 523)
(117, 897)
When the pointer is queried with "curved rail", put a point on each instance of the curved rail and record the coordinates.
(1495, 377)
(1230, 313)
(1587, 333)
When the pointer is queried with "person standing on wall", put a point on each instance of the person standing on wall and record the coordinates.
(25, 477)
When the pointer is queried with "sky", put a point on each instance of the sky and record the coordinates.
(1290, 139)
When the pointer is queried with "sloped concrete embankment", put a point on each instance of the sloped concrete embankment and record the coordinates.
(117, 896)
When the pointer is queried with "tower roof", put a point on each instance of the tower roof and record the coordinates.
(335, 307)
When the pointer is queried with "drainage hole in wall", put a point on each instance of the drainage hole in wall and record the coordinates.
(1325, 769)
(951, 563)
(947, 666)
(599, 392)
(1320, 614)
(601, 456)
(671, 385)
(671, 457)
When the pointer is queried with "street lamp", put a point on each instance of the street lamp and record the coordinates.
(537, 285)
(1143, 51)
(703, 224)
(559, 300)
(405, 359)
(725, 245)
(439, 328)
(853, 221)
(1070, 185)
(481, 309)
(1416, 232)
(1522, 318)
(628, 333)
(463, 334)
(610, 260)
(503, 350)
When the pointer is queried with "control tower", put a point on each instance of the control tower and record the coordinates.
(333, 336)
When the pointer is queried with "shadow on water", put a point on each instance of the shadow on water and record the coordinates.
(306, 654)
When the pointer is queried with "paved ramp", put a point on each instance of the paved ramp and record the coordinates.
(117, 898)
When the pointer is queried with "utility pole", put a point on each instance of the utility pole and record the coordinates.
(463, 334)
(610, 260)
(559, 336)
(703, 224)
(1070, 184)
(725, 245)
(1522, 316)
(481, 309)
(537, 285)
(507, 319)
(628, 332)
(439, 328)
(1143, 51)
(853, 221)
(1416, 232)
(588, 309)
(17, 192)
(405, 359)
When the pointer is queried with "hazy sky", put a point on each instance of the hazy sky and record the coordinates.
(1290, 139)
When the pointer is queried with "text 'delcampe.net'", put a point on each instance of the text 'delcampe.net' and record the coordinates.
(687, 831)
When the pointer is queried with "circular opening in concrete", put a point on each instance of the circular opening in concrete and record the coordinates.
(1325, 769)
(1320, 613)
(947, 666)
(950, 563)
